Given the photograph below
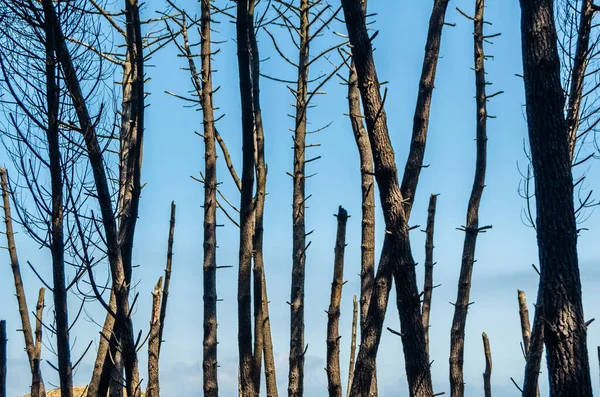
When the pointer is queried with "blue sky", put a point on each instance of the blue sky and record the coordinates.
(172, 152)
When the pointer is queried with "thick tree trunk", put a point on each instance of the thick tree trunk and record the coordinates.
(560, 284)
(428, 284)
(334, 379)
(487, 375)
(244, 23)
(396, 254)
(296, 357)
(153, 389)
(471, 228)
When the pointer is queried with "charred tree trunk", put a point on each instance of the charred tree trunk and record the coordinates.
(471, 228)
(118, 272)
(209, 361)
(103, 366)
(296, 357)
(165, 290)
(37, 385)
(428, 284)
(334, 379)
(153, 389)
(352, 345)
(16, 270)
(487, 375)
(3, 358)
(57, 245)
(396, 254)
(244, 24)
(526, 333)
(535, 351)
(560, 284)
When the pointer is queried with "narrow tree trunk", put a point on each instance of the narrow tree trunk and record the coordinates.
(352, 345)
(165, 291)
(428, 284)
(487, 375)
(560, 283)
(471, 228)
(535, 351)
(334, 379)
(244, 23)
(3, 358)
(524, 316)
(296, 357)
(103, 367)
(153, 389)
(396, 254)
(37, 385)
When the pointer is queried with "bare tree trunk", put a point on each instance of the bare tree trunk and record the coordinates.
(334, 379)
(535, 351)
(560, 284)
(16, 270)
(471, 228)
(428, 287)
(296, 357)
(3, 358)
(396, 254)
(37, 385)
(103, 367)
(244, 23)
(352, 345)
(487, 375)
(118, 271)
(165, 291)
(153, 389)
(524, 316)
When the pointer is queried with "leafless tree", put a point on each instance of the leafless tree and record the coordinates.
(428, 282)
(352, 345)
(3, 358)
(487, 375)
(153, 389)
(37, 385)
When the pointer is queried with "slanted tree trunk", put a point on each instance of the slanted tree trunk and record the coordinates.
(471, 228)
(396, 254)
(560, 284)
(487, 375)
(16, 271)
(244, 23)
(428, 284)
(153, 389)
(3, 358)
(37, 385)
(168, 267)
(352, 345)
(296, 357)
(334, 379)
(526, 333)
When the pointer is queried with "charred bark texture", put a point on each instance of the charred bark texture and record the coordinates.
(560, 284)
(334, 379)
(428, 284)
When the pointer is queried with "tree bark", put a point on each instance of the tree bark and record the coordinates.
(37, 385)
(471, 228)
(296, 356)
(487, 375)
(396, 254)
(3, 358)
(153, 389)
(428, 284)
(168, 267)
(560, 284)
(534, 352)
(352, 345)
(524, 316)
(334, 379)
(245, 23)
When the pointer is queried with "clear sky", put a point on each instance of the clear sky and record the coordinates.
(172, 152)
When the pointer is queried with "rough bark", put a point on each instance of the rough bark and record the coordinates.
(560, 283)
(428, 284)
(16, 271)
(94, 152)
(296, 356)
(244, 23)
(471, 228)
(334, 380)
(396, 258)
(3, 358)
(487, 375)
(168, 267)
(37, 385)
(352, 345)
(416, 154)
(153, 389)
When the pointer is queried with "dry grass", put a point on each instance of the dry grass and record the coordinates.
(77, 392)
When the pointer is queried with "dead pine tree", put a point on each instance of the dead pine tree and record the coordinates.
(396, 259)
(526, 334)
(334, 379)
(352, 344)
(153, 389)
(429, 264)
(487, 375)
(556, 229)
(37, 385)
(3, 358)
(471, 227)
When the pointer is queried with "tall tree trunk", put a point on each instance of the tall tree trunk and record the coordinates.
(428, 284)
(487, 375)
(471, 228)
(244, 23)
(94, 152)
(16, 271)
(153, 389)
(560, 284)
(396, 254)
(296, 357)
(37, 385)
(334, 379)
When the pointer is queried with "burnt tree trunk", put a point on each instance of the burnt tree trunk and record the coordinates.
(526, 333)
(352, 345)
(153, 389)
(487, 375)
(37, 385)
(428, 283)
(245, 23)
(560, 284)
(168, 267)
(3, 358)
(471, 228)
(334, 379)
(396, 256)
